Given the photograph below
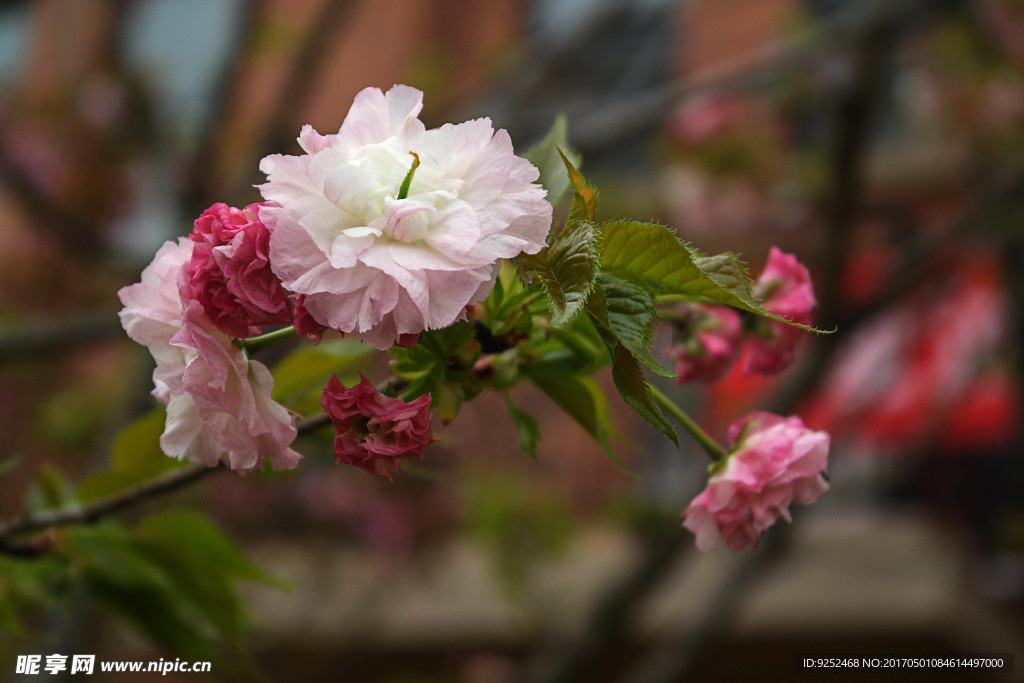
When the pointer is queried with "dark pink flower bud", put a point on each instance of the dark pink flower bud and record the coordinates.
(229, 273)
(774, 461)
(785, 286)
(707, 342)
(374, 431)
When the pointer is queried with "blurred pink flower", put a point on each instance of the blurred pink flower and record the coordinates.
(785, 287)
(218, 401)
(229, 272)
(378, 265)
(707, 343)
(774, 461)
(703, 117)
(374, 431)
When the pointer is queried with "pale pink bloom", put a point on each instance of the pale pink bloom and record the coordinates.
(229, 272)
(785, 285)
(379, 267)
(218, 401)
(778, 461)
(707, 344)
(374, 431)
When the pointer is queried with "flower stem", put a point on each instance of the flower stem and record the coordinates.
(254, 344)
(712, 447)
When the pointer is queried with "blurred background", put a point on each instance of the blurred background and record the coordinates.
(880, 141)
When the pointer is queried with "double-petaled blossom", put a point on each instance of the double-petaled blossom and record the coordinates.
(785, 289)
(374, 431)
(774, 462)
(708, 340)
(229, 272)
(218, 401)
(388, 229)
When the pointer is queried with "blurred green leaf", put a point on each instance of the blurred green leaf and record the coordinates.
(526, 427)
(28, 584)
(300, 377)
(545, 156)
(50, 490)
(9, 464)
(582, 399)
(135, 457)
(174, 576)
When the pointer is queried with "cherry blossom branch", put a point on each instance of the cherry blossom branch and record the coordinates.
(92, 513)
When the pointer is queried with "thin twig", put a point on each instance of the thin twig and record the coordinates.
(90, 514)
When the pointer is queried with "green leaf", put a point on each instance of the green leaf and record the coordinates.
(526, 427)
(626, 371)
(439, 356)
(630, 313)
(204, 565)
(50, 490)
(174, 576)
(652, 252)
(300, 377)
(135, 588)
(567, 268)
(584, 201)
(135, 457)
(9, 464)
(582, 399)
(545, 156)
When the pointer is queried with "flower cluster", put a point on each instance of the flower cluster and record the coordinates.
(774, 461)
(219, 408)
(708, 339)
(382, 231)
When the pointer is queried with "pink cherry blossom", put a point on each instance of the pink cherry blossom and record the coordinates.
(785, 285)
(218, 401)
(374, 431)
(778, 461)
(229, 272)
(707, 343)
(380, 265)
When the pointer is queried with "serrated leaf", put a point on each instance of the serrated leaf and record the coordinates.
(567, 268)
(582, 399)
(626, 371)
(630, 313)
(584, 202)
(652, 252)
(545, 156)
(526, 427)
